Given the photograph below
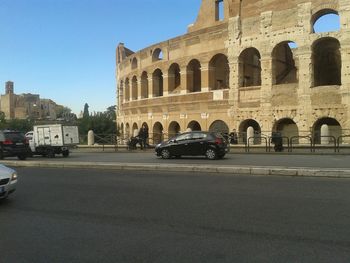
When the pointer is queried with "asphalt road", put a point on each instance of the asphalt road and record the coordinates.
(62, 215)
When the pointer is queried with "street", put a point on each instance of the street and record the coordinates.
(67, 215)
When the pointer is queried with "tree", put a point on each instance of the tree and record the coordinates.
(86, 113)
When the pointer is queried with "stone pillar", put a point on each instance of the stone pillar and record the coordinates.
(205, 74)
(139, 90)
(250, 133)
(234, 84)
(166, 79)
(266, 80)
(184, 80)
(91, 138)
(150, 87)
(324, 132)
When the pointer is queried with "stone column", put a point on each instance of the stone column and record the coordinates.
(139, 88)
(166, 79)
(325, 132)
(205, 74)
(150, 87)
(250, 133)
(266, 80)
(184, 80)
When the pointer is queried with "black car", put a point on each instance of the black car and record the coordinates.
(13, 143)
(209, 144)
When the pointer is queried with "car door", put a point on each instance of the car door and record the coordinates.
(199, 143)
(180, 145)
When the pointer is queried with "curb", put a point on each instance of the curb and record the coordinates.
(228, 170)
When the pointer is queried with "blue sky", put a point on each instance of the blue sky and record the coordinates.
(64, 50)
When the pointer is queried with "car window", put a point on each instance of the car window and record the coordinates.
(14, 136)
(199, 135)
(183, 137)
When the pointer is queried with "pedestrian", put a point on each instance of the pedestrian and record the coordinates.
(233, 137)
(143, 135)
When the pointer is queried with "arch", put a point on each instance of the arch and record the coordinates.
(157, 81)
(157, 55)
(243, 127)
(134, 63)
(144, 85)
(286, 127)
(134, 93)
(194, 126)
(127, 89)
(334, 129)
(327, 62)
(174, 128)
(174, 78)
(122, 130)
(219, 126)
(284, 70)
(135, 129)
(249, 68)
(219, 74)
(325, 20)
(157, 133)
(194, 78)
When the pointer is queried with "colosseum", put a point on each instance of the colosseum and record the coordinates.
(256, 66)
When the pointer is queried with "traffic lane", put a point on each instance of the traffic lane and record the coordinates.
(111, 216)
(283, 160)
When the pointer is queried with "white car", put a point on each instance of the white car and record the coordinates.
(8, 181)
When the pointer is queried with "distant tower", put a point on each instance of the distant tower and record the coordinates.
(9, 87)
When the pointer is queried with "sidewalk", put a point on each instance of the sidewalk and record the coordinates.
(285, 164)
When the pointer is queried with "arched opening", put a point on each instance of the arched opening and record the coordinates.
(325, 127)
(134, 63)
(135, 129)
(122, 130)
(157, 133)
(219, 126)
(219, 10)
(283, 64)
(249, 68)
(219, 72)
(147, 129)
(127, 89)
(194, 126)
(194, 77)
(249, 129)
(174, 79)
(157, 78)
(134, 88)
(174, 128)
(287, 128)
(157, 55)
(327, 62)
(326, 20)
(144, 85)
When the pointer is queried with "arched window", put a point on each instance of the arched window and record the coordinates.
(157, 77)
(157, 55)
(219, 72)
(134, 63)
(194, 76)
(144, 85)
(127, 89)
(250, 68)
(174, 79)
(157, 133)
(174, 128)
(326, 20)
(283, 64)
(327, 62)
(134, 94)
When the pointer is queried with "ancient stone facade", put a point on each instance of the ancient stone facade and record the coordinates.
(256, 66)
(24, 106)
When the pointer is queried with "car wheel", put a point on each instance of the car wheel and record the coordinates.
(165, 154)
(65, 153)
(211, 154)
(22, 156)
(51, 153)
(1, 155)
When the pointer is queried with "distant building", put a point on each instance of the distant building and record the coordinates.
(24, 106)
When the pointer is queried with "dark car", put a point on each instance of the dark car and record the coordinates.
(13, 143)
(209, 144)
